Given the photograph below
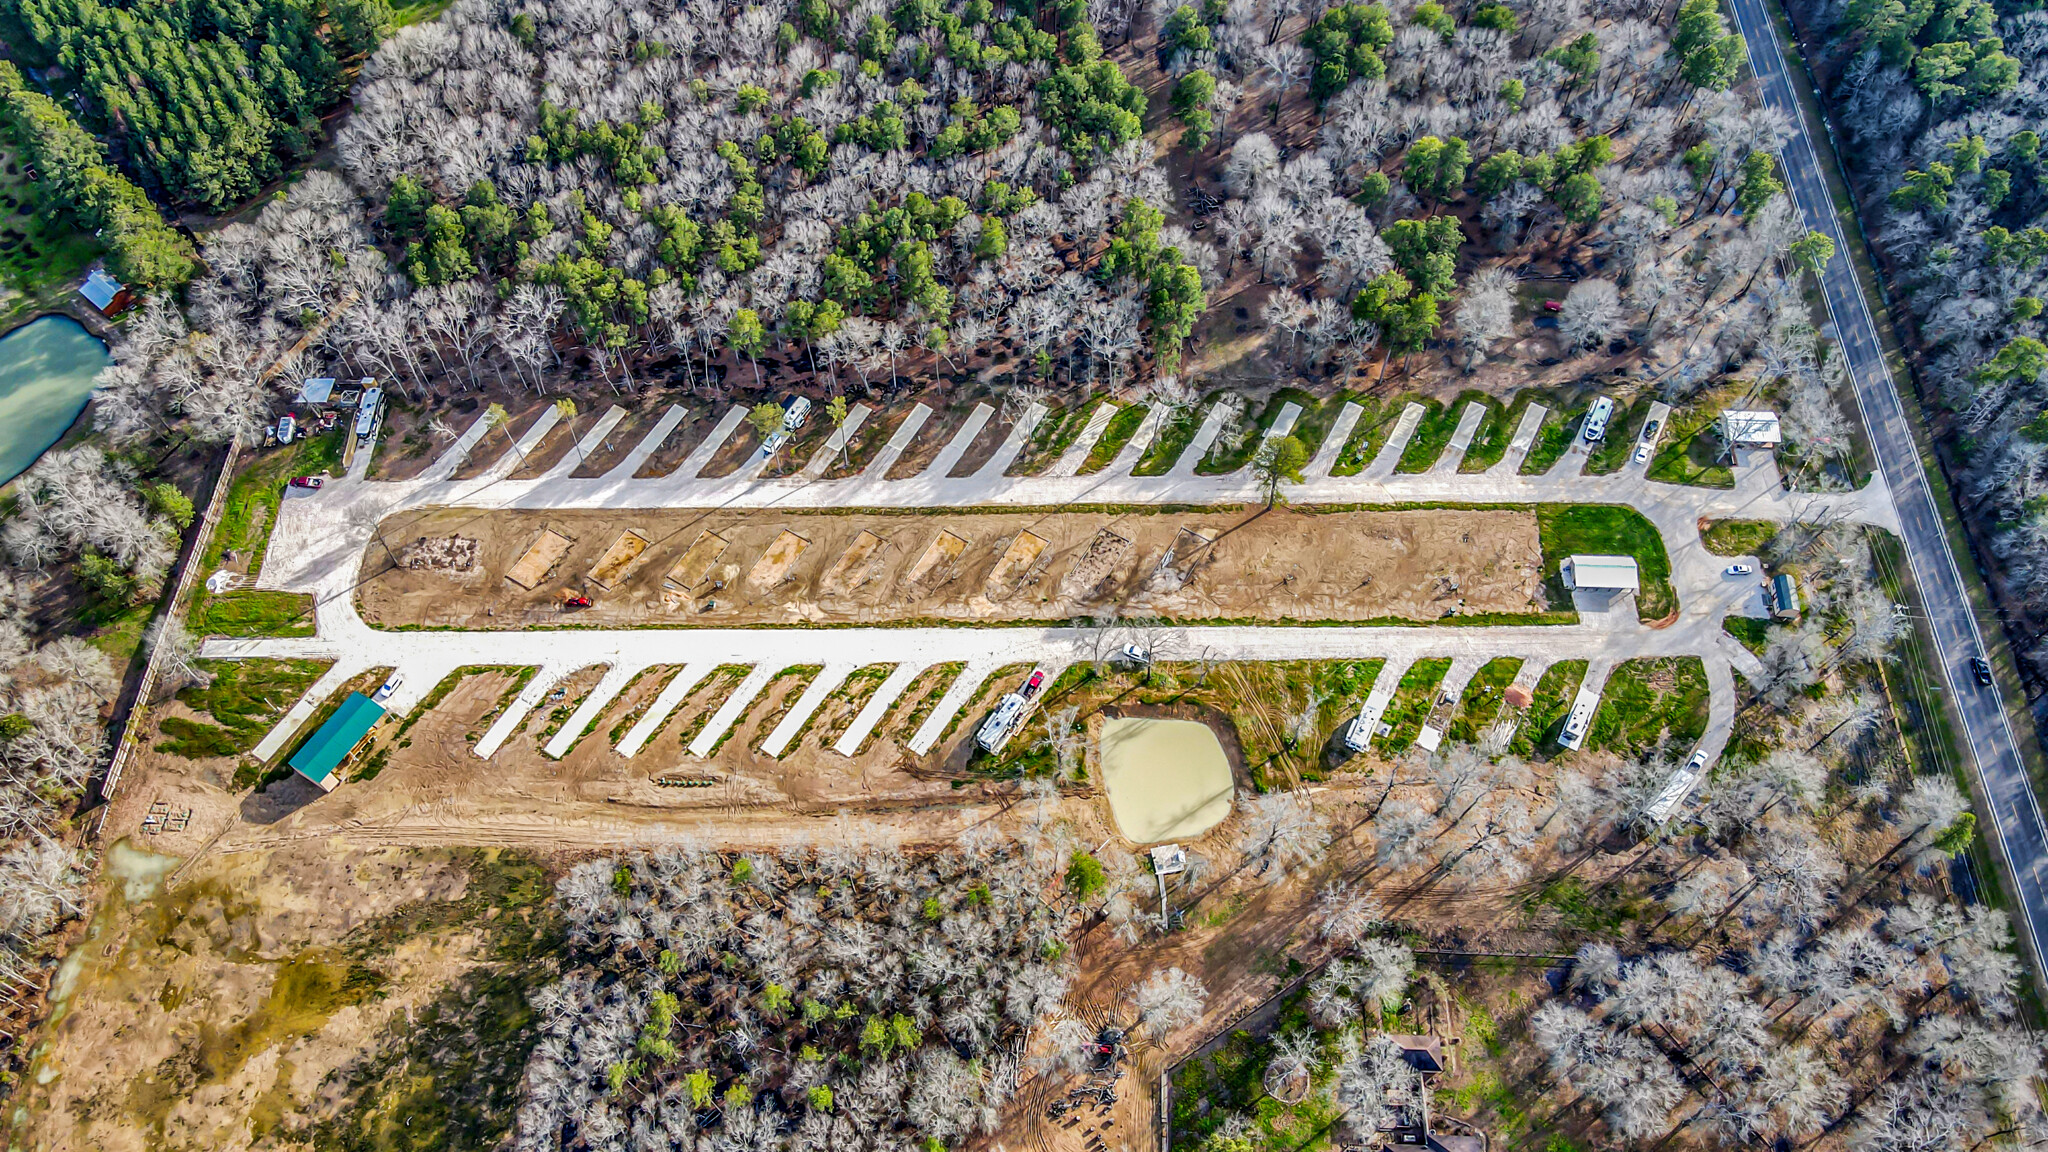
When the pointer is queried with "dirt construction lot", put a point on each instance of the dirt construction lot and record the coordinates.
(773, 567)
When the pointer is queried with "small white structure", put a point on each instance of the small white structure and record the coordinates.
(1429, 739)
(1169, 859)
(1601, 573)
(1750, 429)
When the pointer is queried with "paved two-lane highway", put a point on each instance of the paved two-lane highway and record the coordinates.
(2015, 817)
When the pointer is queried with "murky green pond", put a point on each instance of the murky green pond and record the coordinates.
(46, 372)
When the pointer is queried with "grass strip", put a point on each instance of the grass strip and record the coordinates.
(1115, 435)
(1482, 699)
(1555, 690)
(1638, 713)
(1414, 697)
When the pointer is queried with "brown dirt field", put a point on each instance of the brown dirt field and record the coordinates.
(985, 443)
(737, 450)
(874, 432)
(682, 440)
(1265, 565)
(930, 440)
(523, 411)
(623, 438)
(557, 445)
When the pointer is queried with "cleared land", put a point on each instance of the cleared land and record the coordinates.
(993, 567)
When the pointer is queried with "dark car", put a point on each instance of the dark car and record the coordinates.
(308, 481)
(1650, 429)
(1980, 668)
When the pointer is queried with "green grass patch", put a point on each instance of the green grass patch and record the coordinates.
(1432, 432)
(1414, 698)
(1174, 437)
(1610, 454)
(1555, 690)
(1610, 530)
(1647, 703)
(712, 692)
(1224, 459)
(250, 509)
(1586, 913)
(1115, 435)
(119, 634)
(1490, 440)
(1691, 452)
(245, 699)
(1056, 432)
(1553, 439)
(1755, 635)
(1481, 701)
(252, 613)
(1368, 436)
(1738, 537)
(410, 12)
(1231, 1081)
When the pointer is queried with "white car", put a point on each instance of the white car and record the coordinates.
(1739, 570)
(1698, 761)
(389, 686)
(1642, 454)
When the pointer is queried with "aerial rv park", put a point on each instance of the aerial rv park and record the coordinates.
(953, 576)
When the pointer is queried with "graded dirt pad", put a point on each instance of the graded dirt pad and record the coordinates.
(879, 567)
(451, 554)
(539, 559)
(618, 558)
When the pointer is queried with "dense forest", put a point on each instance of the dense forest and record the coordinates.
(841, 194)
(208, 100)
(1943, 104)
(95, 197)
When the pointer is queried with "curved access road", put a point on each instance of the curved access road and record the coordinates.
(1993, 749)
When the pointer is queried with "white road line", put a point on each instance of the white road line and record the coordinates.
(664, 703)
(957, 447)
(1013, 445)
(649, 444)
(516, 455)
(878, 468)
(1333, 442)
(1069, 464)
(1133, 450)
(1382, 465)
(956, 697)
(1461, 439)
(729, 711)
(444, 466)
(1525, 436)
(588, 444)
(608, 686)
(506, 724)
(721, 432)
(821, 461)
(871, 713)
(830, 678)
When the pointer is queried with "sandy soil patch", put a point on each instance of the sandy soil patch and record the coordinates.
(1228, 564)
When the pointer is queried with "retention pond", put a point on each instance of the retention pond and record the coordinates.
(46, 375)
(1167, 779)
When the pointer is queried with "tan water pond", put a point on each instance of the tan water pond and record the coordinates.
(1167, 779)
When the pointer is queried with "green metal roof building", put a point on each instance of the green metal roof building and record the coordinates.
(324, 751)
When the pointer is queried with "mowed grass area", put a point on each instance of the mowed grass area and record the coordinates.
(1115, 435)
(1490, 442)
(1691, 452)
(1482, 700)
(245, 699)
(247, 516)
(1610, 530)
(1647, 704)
(1413, 699)
(1553, 439)
(1738, 537)
(1432, 432)
(1541, 723)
